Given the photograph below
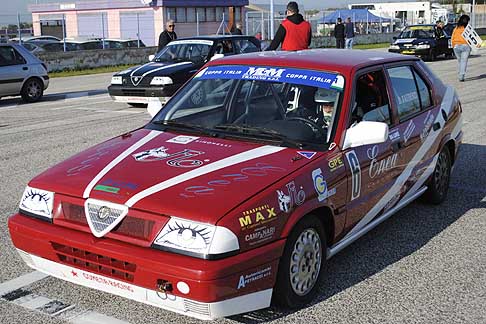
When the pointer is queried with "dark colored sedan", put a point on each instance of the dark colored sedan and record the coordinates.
(173, 66)
(425, 41)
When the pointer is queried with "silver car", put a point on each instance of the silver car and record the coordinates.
(21, 73)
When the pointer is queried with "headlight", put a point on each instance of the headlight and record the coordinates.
(116, 80)
(196, 239)
(422, 46)
(394, 47)
(37, 203)
(160, 80)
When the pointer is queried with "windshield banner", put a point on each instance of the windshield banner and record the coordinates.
(272, 74)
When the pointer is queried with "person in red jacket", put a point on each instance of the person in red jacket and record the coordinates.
(294, 33)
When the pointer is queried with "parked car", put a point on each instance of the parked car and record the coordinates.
(123, 43)
(422, 41)
(173, 66)
(43, 46)
(82, 45)
(21, 73)
(35, 38)
(246, 182)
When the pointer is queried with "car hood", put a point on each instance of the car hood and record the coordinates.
(156, 68)
(198, 178)
(413, 41)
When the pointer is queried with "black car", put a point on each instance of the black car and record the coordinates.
(173, 66)
(425, 41)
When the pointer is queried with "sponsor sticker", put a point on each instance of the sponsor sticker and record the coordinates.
(106, 189)
(408, 131)
(356, 174)
(212, 143)
(306, 154)
(428, 121)
(182, 139)
(257, 216)
(287, 200)
(252, 277)
(260, 235)
(335, 163)
(379, 167)
(394, 135)
(320, 185)
(179, 159)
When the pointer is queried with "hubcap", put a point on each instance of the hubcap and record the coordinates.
(33, 89)
(305, 262)
(441, 174)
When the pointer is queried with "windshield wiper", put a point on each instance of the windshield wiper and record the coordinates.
(263, 133)
(185, 127)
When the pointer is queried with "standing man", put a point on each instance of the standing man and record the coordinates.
(294, 33)
(237, 30)
(349, 33)
(339, 33)
(167, 36)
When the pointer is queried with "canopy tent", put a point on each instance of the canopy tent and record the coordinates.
(355, 14)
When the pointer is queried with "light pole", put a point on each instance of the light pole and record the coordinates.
(473, 14)
(272, 15)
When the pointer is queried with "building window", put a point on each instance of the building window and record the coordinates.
(191, 15)
(210, 14)
(181, 15)
(171, 13)
(238, 14)
(201, 14)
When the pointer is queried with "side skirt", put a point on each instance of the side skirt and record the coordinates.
(333, 250)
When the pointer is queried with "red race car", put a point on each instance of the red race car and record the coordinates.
(261, 168)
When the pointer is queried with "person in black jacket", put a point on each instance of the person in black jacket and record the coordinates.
(237, 30)
(167, 36)
(339, 33)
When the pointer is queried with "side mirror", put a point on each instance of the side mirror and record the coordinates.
(154, 105)
(394, 38)
(216, 56)
(365, 133)
(151, 57)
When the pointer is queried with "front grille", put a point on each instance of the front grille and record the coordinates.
(103, 216)
(96, 263)
(130, 226)
(196, 307)
(133, 92)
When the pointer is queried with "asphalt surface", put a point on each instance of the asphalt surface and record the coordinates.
(427, 264)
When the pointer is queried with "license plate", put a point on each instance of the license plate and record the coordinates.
(408, 52)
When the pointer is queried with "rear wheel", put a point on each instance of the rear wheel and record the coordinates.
(137, 105)
(301, 266)
(432, 56)
(32, 90)
(440, 178)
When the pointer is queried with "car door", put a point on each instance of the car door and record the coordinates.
(13, 70)
(372, 169)
(416, 114)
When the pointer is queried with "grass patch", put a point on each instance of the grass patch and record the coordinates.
(105, 69)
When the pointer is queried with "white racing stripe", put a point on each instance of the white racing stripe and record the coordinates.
(446, 105)
(118, 159)
(226, 162)
(22, 281)
(155, 70)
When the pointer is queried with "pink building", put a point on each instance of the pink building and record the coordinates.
(130, 19)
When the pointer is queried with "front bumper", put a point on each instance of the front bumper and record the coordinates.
(141, 94)
(214, 288)
(411, 51)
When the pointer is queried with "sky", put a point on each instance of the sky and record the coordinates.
(10, 8)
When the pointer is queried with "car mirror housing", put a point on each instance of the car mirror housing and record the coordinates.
(365, 133)
(216, 56)
(151, 57)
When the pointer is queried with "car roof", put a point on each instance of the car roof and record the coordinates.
(218, 37)
(421, 25)
(336, 60)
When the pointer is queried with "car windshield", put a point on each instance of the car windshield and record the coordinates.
(417, 32)
(293, 107)
(185, 50)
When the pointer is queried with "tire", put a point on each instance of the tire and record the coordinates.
(296, 288)
(137, 105)
(32, 90)
(432, 56)
(438, 184)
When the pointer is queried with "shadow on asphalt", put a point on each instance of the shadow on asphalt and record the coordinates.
(54, 97)
(479, 77)
(399, 236)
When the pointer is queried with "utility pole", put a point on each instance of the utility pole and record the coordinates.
(272, 15)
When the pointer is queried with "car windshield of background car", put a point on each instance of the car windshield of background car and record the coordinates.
(417, 32)
(181, 51)
(287, 102)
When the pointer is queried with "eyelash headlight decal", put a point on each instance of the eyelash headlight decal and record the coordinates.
(37, 203)
(196, 239)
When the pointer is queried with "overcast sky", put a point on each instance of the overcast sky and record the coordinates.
(10, 8)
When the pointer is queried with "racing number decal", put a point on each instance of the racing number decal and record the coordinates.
(355, 174)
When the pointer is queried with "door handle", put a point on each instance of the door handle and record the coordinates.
(25, 68)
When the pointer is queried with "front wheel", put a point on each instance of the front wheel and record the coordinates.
(301, 266)
(440, 178)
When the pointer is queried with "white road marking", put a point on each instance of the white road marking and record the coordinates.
(81, 105)
(22, 281)
(91, 317)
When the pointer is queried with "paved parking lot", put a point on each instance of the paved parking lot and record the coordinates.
(427, 264)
